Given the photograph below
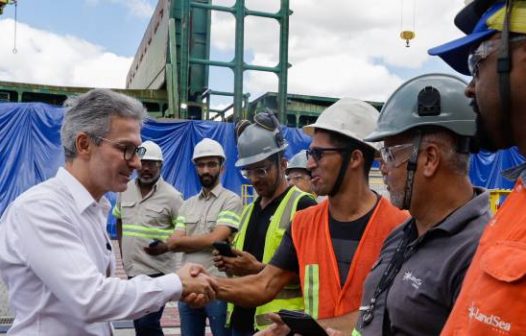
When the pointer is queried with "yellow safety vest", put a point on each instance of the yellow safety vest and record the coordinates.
(289, 297)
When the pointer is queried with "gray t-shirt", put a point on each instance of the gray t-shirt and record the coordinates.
(423, 292)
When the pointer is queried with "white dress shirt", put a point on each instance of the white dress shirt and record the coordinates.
(56, 259)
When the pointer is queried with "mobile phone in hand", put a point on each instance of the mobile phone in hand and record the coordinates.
(224, 248)
(301, 323)
(154, 243)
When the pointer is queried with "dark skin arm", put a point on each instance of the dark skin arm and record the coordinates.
(244, 264)
(254, 290)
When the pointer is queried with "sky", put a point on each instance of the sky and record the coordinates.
(337, 48)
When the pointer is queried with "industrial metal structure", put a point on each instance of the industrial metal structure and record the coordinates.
(174, 55)
(170, 70)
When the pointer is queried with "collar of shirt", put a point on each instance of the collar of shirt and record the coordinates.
(80, 194)
(514, 173)
(215, 191)
(455, 221)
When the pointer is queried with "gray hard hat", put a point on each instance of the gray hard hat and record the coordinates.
(256, 144)
(298, 161)
(428, 100)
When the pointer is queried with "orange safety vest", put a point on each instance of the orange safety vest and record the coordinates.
(492, 300)
(323, 295)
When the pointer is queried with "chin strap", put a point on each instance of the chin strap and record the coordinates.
(504, 68)
(411, 169)
(346, 158)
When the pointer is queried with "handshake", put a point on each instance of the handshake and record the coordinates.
(199, 288)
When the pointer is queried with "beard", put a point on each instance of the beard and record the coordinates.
(208, 181)
(148, 181)
(482, 139)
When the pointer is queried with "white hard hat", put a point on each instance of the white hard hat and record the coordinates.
(350, 117)
(208, 147)
(153, 151)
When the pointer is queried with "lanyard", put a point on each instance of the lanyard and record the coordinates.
(402, 253)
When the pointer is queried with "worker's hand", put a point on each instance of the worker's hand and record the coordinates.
(198, 287)
(278, 328)
(243, 263)
(157, 249)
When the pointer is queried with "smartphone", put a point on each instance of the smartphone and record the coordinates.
(154, 243)
(301, 323)
(224, 248)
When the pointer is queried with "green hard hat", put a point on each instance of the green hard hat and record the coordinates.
(256, 143)
(428, 100)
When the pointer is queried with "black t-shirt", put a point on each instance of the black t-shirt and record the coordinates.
(243, 318)
(345, 238)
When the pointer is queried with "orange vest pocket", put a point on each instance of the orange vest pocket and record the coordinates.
(505, 261)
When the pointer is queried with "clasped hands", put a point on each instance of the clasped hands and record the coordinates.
(199, 288)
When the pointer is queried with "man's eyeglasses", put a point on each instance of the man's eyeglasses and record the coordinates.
(128, 149)
(317, 153)
(485, 49)
(395, 156)
(259, 172)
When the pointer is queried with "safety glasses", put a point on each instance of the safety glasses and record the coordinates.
(259, 172)
(485, 49)
(395, 156)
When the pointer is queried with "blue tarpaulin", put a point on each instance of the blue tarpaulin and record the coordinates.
(30, 151)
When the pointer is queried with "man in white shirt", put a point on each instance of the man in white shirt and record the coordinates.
(55, 254)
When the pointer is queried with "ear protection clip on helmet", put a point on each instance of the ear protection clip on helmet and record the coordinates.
(268, 121)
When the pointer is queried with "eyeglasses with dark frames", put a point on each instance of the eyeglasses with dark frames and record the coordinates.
(317, 153)
(128, 149)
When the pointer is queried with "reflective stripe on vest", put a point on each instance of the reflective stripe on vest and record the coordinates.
(313, 244)
(130, 230)
(311, 290)
(289, 297)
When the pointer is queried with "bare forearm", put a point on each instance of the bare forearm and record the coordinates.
(190, 243)
(180, 242)
(247, 291)
(344, 323)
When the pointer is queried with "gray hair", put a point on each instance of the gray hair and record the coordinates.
(91, 113)
(455, 161)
